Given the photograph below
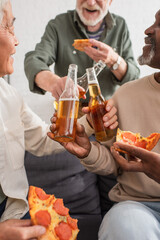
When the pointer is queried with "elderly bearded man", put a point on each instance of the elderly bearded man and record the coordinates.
(91, 19)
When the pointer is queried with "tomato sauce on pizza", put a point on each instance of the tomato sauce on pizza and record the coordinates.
(50, 212)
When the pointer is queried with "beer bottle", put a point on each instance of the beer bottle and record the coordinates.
(68, 105)
(83, 82)
(97, 108)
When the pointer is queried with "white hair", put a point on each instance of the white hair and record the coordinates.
(2, 7)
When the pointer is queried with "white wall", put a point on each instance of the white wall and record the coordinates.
(32, 17)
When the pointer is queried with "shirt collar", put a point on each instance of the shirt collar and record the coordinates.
(109, 19)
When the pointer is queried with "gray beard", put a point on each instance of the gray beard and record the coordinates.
(93, 22)
(146, 60)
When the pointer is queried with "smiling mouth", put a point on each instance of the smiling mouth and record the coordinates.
(91, 11)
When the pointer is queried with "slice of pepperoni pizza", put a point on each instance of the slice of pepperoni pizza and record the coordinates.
(79, 44)
(49, 211)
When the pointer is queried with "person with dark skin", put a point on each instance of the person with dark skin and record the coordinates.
(147, 162)
(142, 160)
(136, 212)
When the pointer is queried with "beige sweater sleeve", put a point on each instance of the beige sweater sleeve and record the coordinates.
(99, 160)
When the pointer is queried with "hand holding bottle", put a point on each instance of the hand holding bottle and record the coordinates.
(97, 108)
(81, 145)
(109, 118)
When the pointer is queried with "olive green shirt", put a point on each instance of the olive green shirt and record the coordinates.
(56, 47)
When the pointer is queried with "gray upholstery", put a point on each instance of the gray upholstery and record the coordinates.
(63, 175)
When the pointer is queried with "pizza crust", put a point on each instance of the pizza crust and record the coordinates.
(44, 210)
(79, 44)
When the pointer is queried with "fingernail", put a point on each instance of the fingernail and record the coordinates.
(108, 108)
(105, 119)
(106, 124)
(42, 230)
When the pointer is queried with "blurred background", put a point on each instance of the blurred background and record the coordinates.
(31, 19)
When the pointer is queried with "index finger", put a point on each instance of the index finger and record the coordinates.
(19, 223)
(126, 165)
(133, 150)
(96, 43)
(86, 110)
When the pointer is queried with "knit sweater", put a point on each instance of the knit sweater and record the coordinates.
(138, 105)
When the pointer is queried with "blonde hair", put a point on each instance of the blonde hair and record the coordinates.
(2, 7)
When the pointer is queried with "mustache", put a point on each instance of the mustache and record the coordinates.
(150, 40)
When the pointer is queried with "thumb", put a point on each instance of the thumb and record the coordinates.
(80, 130)
(33, 231)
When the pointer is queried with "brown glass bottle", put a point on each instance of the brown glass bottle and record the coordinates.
(97, 108)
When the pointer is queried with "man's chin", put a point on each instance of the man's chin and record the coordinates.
(90, 22)
(141, 60)
(146, 58)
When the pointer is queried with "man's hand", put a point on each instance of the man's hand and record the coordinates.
(109, 119)
(80, 147)
(20, 230)
(141, 160)
(102, 51)
(53, 83)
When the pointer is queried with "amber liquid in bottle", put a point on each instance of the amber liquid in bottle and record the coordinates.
(66, 120)
(81, 94)
(68, 107)
(97, 108)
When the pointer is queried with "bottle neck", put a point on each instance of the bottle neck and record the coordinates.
(98, 67)
(71, 90)
(94, 90)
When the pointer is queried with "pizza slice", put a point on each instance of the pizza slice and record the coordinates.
(79, 44)
(137, 140)
(50, 212)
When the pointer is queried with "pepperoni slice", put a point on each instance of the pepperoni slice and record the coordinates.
(72, 222)
(43, 218)
(60, 208)
(41, 194)
(128, 136)
(63, 231)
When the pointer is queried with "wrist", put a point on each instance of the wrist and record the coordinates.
(116, 64)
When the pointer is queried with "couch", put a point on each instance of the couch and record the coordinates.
(63, 175)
